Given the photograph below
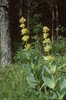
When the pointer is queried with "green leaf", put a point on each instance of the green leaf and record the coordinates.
(31, 80)
(49, 82)
(47, 69)
(28, 55)
(63, 85)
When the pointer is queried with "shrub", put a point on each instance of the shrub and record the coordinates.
(59, 46)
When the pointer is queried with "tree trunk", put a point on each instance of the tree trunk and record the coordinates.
(28, 14)
(20, 9)
(5, 42)
(56, 19)
(52, 9)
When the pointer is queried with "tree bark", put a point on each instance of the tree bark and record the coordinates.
(56, 18)
(20, 8)
(28, 14)
(5, 42)
(52, 10)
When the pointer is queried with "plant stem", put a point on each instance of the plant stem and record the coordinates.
(46, 92)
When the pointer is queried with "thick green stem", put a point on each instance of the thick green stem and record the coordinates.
(46, 93)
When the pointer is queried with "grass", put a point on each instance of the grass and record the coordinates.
(13, 84)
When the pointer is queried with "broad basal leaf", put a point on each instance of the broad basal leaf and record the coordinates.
(63, 85)
(49, 82)
(31, 80)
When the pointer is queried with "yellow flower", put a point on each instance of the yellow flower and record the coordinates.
(25, 38)
(47, 41)
(27, 46)
(48, 58)
(45, 35)
(22, 20)
(24, 31)
(53, 69)
(47, 48)
(22, 25)
(45, 29)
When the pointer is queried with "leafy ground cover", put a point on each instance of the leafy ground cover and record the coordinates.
(13, 84)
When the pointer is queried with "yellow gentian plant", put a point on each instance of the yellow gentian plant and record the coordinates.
(47, 48)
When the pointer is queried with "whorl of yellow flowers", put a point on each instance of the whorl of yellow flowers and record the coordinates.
(47, 48)
(53, 70)
(27, 46)
(48, 58)
(45, 35)
(25, 38)
(45, 29)
(22, 25)
(47, 41)
(24, 31)
(22, 20)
